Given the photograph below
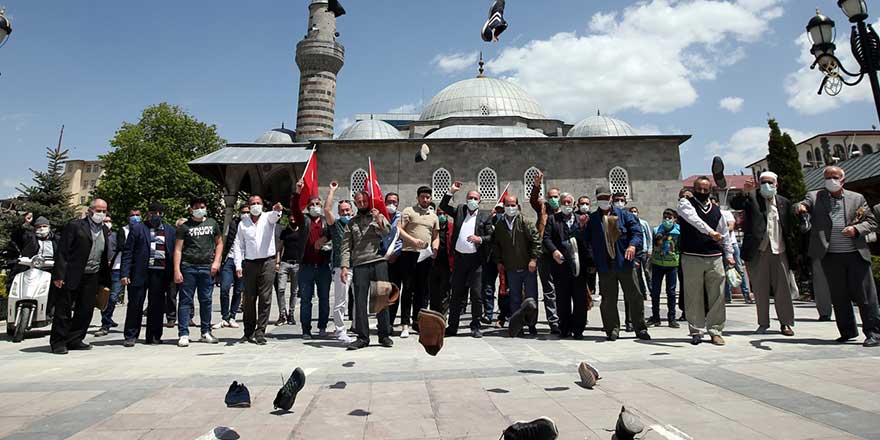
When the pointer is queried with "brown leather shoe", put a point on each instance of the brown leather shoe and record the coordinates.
(717, 340)
(787, 331)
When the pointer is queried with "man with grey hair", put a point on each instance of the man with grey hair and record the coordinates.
(840, 221)
(81, 269)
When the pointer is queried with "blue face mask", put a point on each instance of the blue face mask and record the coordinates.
(668, 224)
(768, 190)
(442, 219)
(345, 219)
(134, 219)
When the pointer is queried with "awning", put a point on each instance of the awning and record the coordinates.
(213, 166)
(857, 169)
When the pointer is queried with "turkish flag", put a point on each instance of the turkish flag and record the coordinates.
(375, 191)
(310, 182)
(504, 195)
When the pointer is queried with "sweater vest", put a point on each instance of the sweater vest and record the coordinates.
(693, 241)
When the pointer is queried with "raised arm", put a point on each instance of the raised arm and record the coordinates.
(444, 203)
(328, 204)
(536, 193)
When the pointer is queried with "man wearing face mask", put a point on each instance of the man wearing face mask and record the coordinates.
(664, 265)
(287, 264)
(314, 271)
(420, 230)
(254, 253)
(643, 256)
(468, 237)
(395, 276)
(228, 278)
(571, 294)
(615, 236)
(704, 241)
(36, 240)
(198, 247)
(116, 287)
(341, 285)
(517, 247)
(544, 210)
(440, 283)
(765, 228)
(588, 266)
(840, 220)
(81, 268)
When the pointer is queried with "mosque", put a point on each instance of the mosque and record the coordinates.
(486, 132)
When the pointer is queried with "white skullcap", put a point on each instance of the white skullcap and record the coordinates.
(769, 174)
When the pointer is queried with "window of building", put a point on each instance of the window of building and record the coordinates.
(89, 168)
(818, 155)
(92, 184)
(529, 181)
(839, 152)
(82, 200)
(358, 181)
(867, 149)
(97, 168)
(810, 157)
(85, 184)
(487, 184)
(618, 182)
(441, 181)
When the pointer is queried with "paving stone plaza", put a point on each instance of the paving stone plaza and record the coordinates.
(756, 387)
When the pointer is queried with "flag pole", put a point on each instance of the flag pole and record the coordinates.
(370, 163)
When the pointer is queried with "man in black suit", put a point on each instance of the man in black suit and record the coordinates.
(765, 228)
(80, 270)
(468, 235)
(571, 291)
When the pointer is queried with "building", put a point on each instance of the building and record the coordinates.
(486, 132)
(862, 176)
(82, 176)
(828, 148)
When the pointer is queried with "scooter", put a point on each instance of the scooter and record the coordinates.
(27, 305)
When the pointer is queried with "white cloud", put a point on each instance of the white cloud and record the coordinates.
(342, 124)
(646, 57)
(414, 107)
(732, 104)
(9, 187)
(803, 84)
(748, 145)
(456, 62)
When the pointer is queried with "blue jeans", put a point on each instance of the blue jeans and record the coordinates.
(518, 282)
(742, 273)
(657, 276)
(195, 277)
(115, 290)
(309, 276)
(228, 280)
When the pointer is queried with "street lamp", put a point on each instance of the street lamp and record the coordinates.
(5, 28)
(865, 48)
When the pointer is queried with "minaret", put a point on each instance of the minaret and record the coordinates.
(319, 58)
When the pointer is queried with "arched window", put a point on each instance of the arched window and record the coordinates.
(854, 150)
(529, 181)
(818, 154)
(867, 149)
(810, 157)
(839, 152)
(487, 184)
(358, 181)
(618, 181)
(441, 181)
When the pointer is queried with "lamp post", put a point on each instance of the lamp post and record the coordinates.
(865, 48)
(5, 27)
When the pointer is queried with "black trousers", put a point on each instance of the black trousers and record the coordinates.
(440, 285)
(850, 279)
(415, 292)
(73, 312)
(571, 299)
(171, 303)
(259, 278)
(361, 278)
(467, 277)
(153, 290)
(395, 278)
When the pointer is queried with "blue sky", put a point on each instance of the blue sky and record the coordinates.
(662, 65)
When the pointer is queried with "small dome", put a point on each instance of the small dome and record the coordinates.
(370, 129)
(277, 136)
(596, 126)
(484, 131)
(485, 97)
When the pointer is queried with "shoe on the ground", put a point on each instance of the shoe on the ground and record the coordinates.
(238, 396)
(682, 318)
(717, 340)
(170, 323)
(643, 335)
(824, 318)
(628, 327)
(245, 339)
(192, 323)
(102, 332)
(282, 319)
(653, 322)
(539, 429)
(674, 324)
(114, 324)
(322, 333)
(59, 350)
(404, 334)
(696, 339)
(870, 342)
(286, 396)
(517, 319)
(495, 24)
(628, 425)
(152, 341)
(306, 336)
(787, 331)
(578, 336)
(386, 342)
(208, 338)
(589, 375)
(128, 343)
(554, 329)
(762, 329)
(613, 334)
(183, 341)
(79, 346)
(476, 333)
(357, 345)
(232, 324)
(533, 331)
(485, 320)
(260, 340)
(220, 325)
(531, 315)
(845, 339)
(344, 338)
(290, 319)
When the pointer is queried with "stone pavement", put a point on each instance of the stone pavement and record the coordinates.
(756, 387)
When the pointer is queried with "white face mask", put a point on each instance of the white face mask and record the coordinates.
(109, 225)
(833, 185)
(315, 211)
(98, 217)
(245, 214)
(511, 211)
(256, 210)
(567, 209)
(200, 213)
(42, 232)
(604, 205)
(619, 205)
(391, 208)
(473, 204)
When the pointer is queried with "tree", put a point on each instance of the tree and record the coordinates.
(148, 163)
(784, 160)
(48, 196)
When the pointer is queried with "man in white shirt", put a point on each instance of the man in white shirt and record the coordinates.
(254, 253)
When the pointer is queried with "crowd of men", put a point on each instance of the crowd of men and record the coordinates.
(444, 256)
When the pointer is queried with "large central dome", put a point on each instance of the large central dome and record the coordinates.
(482, 97)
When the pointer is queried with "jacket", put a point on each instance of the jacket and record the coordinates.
(480, 228)
(630, 235)
(666, 246)
(362, 239)
(755, 208)
(557, 236)
(136, 254)
(514, 249)
(819, 205)
(73, 254)
(305, 225)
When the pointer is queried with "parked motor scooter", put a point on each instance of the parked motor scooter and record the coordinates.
(28, 298)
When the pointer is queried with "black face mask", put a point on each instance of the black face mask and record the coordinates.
(155, 220)
(702, 197)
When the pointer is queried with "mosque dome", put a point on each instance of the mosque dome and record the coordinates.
(370, 129)
(484, 97)
(595, 126)
(277, 136)
(484, 131)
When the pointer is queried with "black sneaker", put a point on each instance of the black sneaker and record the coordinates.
(238, 396)
(554, 329)
(517, 320)
(539, 429)
(260, 340)
(476, 333)
(643, 335)
(287, 394)
(128, 343)
(386, 342)
(674, 324)
(653, 322)
(357, 345)
(696, 339)
(871, 342)
(290, 319)
(628, 327)
(613, 335)
(495, 24)
(282, 319)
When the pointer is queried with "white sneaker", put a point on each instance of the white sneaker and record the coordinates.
(344, 338)
(183, 341)
(404, 334)
(232, 324)
(220, 325)
(208, 338)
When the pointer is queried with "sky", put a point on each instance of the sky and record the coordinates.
(711, 69)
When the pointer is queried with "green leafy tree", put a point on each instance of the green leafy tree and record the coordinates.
(148, 162)
(48, 196)
(784, 160)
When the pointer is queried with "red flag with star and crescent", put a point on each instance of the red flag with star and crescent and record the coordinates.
(310, 182)
(504, 195)
(372, 187)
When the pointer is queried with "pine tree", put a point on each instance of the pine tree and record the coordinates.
(783, 159)
(48, 196)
